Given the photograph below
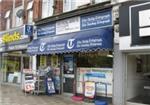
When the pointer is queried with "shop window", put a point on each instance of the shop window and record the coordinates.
(94, 60)
(47, 8)
(138, 79)
(11, 66)
(96, 67)
(30, 12)
(43, 61)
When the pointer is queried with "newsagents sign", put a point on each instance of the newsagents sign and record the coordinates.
(84, 22)
(73, 42)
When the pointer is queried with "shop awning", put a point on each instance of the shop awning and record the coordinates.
(88, 40)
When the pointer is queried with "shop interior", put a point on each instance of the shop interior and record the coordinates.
(138, 80)
(12, 65)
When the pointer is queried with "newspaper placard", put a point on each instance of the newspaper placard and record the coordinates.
(89, 89)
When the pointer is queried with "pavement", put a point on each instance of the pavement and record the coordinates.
(12, 95)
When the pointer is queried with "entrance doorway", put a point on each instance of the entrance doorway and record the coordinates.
(68, 74)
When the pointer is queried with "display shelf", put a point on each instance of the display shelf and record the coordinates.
(39, 84)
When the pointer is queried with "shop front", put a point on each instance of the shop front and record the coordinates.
(78, 49)
(14, 59)
(134, 46)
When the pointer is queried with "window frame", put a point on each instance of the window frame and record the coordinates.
(47, 8)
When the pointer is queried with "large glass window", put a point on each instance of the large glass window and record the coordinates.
(96, 67)
(69, 5)
(101, 59)
(138, 79)
(47, 8)
(11, 66)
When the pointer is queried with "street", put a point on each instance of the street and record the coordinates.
(12, 95)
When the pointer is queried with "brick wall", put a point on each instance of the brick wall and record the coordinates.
(5, 5)
(37, 10)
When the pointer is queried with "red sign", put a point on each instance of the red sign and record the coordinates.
(29, 85)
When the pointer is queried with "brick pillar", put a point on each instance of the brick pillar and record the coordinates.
(58, 7)
(37, 10)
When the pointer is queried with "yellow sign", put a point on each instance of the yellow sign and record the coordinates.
(6, 38)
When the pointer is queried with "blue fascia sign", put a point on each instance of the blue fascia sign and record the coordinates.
(48, 29)
(73, 42)
(85, 22)
(98, 19)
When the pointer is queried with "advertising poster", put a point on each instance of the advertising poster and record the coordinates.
(89, 89)
(29, 85)
(50, 86)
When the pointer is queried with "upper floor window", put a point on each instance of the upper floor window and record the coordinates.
(100, 1)
(18, 21)
(69, 5)
(47, 8)
(30, 12)
(7, 17)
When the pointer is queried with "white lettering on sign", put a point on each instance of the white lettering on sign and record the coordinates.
(42, 47)
(17, 47)
(70, 44)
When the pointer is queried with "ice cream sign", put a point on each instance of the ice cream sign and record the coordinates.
(7, 37)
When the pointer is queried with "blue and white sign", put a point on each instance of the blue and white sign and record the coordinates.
(48, 29)
(28, 30)
(79, 41)
(99, 19)
(75, 24)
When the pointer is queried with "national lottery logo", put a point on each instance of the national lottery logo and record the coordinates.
(70, 43)
(42, 47)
